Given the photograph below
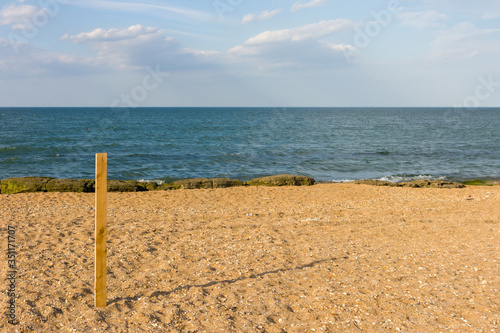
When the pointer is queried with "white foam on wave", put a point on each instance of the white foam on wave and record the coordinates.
(157, 181)
(395, 178)
(409, 178)
(342, 180)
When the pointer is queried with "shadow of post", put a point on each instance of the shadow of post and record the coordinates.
(228, 281)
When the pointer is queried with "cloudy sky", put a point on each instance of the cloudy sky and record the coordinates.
(249, 53)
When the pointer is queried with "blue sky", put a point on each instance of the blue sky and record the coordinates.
(250, 53)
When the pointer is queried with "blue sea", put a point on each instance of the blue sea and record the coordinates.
(329, 144)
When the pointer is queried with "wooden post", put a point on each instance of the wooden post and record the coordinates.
(101, 188)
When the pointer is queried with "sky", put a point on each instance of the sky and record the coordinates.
(250, 53)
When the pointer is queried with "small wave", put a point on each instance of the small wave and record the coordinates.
(342, 180)
(409, 178)
(7, 148)
(157, 181)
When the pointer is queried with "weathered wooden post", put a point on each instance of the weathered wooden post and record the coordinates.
(101, 188)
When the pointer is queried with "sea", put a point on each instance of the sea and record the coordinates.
(328, 144)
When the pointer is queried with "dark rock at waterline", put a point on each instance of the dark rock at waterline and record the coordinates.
(167, 187)
(479, 182)
(47, 184)
(415, 184)
(126, 186)
(202, 183)
(434, 184)
(282, 180)
(149, 186)
(71, 185)
(88, 185)
(373, 182)
(193, 183)
(226, 182)
(24, 185)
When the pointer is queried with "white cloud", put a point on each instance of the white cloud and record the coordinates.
(265, 15)
(295, 46)
(18, 15)
(32, 61)
(100, 35)
(422, 20)
(116, 50)
(138, 46)
(299, 5)
(310, 31)
(339, 47)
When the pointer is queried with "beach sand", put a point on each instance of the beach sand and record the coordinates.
(324, 258)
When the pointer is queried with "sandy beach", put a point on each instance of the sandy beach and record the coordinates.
(322, 258)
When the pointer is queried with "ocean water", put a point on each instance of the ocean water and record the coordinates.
(329, 144)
